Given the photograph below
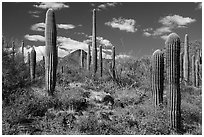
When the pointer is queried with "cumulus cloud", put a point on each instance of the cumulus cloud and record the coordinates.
(128, 25)
(169, 24)
(176, 21)
(106, 5)
(41, 26)
(38, 27)
(100, 41)
(53, 5)
(35, 13)
(121, 56)
(65, 26)
(34, 38)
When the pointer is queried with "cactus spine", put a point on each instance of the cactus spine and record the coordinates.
(193, 70)
(172, 46)
(94, 46)
(197, 72)
(113, 63)
(88, 58)
(51, 58)
(186, 59)
(32, 64)
(157, 76)
(82, 59)
(181, 65)
(100, 61)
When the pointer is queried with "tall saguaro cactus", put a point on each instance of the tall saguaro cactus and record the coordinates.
(100, 61)
(51, 58)
(193, 70)
(94, 46)
(113, 63)
(82, 59)
(186, 59)
(172, 46)
(32, 64)
(197, 72)
(157, 77)
(88, 58)
(181, 65)
(28, 61)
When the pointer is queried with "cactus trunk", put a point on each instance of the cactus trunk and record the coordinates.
(28, 61)
(181, 65)
(172, 46)
(113, 63)
(197, 72)
(32, 64)
(186, 59)
(100, 61)
(51, 58)
(82, 59)
(94, 46)
(88, 58)
(193, 71)
(157, 77)
(62, 69)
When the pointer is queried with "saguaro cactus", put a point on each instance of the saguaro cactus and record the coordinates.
(28, 61)
(51, 58)
(157, 76)
(197, 72)
(172, 46)
(88, 58)
(100, 61)
(113, 63)
(82, 59)
(186, 59)
(193, 70)
(94, 46)
(22, 46)
(181, 65)
(62, 69)
(32, 64)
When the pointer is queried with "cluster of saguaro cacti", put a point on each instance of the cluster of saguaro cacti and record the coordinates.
(94, 46)
(32, 64)
(157, 77)
(186, 59)
(172, 46)
(51, 58)
(100, 62)
(88, 58)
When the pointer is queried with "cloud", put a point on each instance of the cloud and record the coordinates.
(34, 37)
(127, 25)
(164, 37)
(176, 21)
(100, 41)
(169, 24)
(65, 26)
(35, 13)
(38, 27)
(147, 34)
(106, 5)
(41, 26)
(53, 5)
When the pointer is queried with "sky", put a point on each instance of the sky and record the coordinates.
(134, 28)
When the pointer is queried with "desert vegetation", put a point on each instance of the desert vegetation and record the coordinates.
(158, 94)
